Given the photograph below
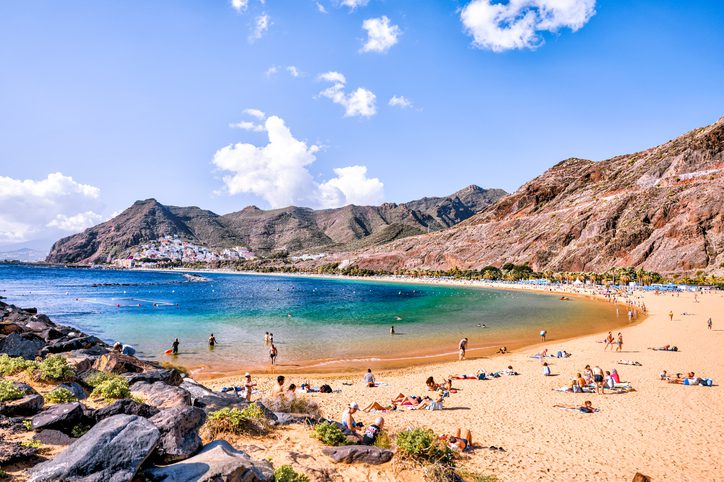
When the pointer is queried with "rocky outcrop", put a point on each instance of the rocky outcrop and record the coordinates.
(290, 229)
(350, 454)
(160, 395)
(179, 433)
(217, 461)
(124, 407)
(61, 417)
(28, 405)
(13, 451)
(111, 451)
(661, 210)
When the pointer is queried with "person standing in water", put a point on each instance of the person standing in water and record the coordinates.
(463, 345)
(273, 353)
(175, 345)
(212, 341)
(266, 337)
(392, 330)
(543, 334)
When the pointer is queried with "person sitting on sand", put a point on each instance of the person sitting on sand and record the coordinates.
(348, 421)
(542, 354)
(546, 370)
(588, 374)
(664, 375)
(609, 381)
(278, 389)
(369, 378)
(456, 443)
(373, 431)
(587, 407)
(581, 382)
(431, 385)
(290, 394)
(502, 350)
(614, 375)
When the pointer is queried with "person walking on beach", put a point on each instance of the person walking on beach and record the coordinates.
(708, 323)
(609, 341)
(619, 342)
(212, 341)
(671, 316)
(273, 353)
(462, 346)
(543, 334)
(249, 385)
(175, 345)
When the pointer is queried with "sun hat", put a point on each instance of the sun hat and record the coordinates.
(353, 405)
(247, 374)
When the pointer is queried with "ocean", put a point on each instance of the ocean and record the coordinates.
(318, 323)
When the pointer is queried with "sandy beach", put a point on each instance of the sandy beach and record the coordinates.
(666, 431)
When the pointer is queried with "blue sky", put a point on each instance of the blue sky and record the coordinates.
(131, 100)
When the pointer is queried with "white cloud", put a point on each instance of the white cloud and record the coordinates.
(239, 5)
(261, 25)
(360, 102)
(255, 113)
(400, 101)
(321, 8)
(272, 71)
(381, 34)
(293, 71)
(517, 24)
(31, 209)
(278, 172)
(352, 4)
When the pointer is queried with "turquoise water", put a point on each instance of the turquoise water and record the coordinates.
(317, 322)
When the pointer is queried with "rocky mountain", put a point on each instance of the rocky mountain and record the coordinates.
(292, 229)
(659, 209)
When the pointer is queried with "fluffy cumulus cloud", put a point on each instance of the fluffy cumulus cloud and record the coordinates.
(251, 126)
(239, 5)
(279, 173)
(352, 4)
(359, 102)
(261, 25)
(381, 34)
(400, 101)
(41, 209)
(518, 24)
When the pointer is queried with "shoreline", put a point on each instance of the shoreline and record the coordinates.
(347, 367)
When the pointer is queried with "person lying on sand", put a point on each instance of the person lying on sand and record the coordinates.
(508, 372)
(629, 362)
(587, 407)
(377, 407)
(429, 404)
(664, 348)
(456, 443)
(409, 400)
(481, 375)
(431, 385)
(690, 379)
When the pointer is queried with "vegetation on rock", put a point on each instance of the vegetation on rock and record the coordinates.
(251, 419)
(329, 434)
(286, 473)
(112, 388)
(9, 392)
(60, 395)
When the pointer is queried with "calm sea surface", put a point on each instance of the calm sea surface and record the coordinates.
(317, 323)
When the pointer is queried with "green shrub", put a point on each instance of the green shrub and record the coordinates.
(33, 444)
(329, 434)
(112, 388)
(10, 365)
(286, 473)
(232, 420)
(423, 445)
(54, 367)
(470, 476)
(8, 391)
(79, 430)
(99, 377)
(60, 395)
(28, 424)
(383, 440)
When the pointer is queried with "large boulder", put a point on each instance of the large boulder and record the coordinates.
(75, 389)
(169, 376)
(365, 454)
(53, 437)
(84, 359)
(114, 362)
(283, 418)
(30, 404)
(26, 345)
(14, 452)
(61, 417)
(125, 406)
(70, 344)
(179, 433)
(111, 451)
(160, 395)
(217, 461)
(211, 401)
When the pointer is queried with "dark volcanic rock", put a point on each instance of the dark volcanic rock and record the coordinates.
(283, 418)
(75, 389)
(84, 359)
(365, 454)
(53, 437)
(118, 363)
(61, 417)
(72, 344)
(26, 345)
(179, 433)
(160, 395)
(28, 405)
(217, 461)
(169, 376)
(111, 451)
(125, 407)
(14, 452)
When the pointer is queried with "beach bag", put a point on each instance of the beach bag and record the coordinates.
(674, 348)
(325, 389)
(708, 382)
